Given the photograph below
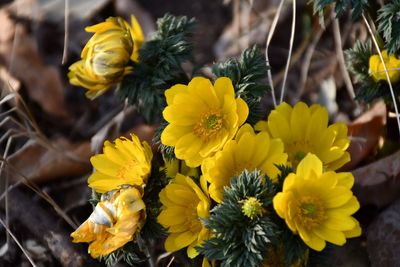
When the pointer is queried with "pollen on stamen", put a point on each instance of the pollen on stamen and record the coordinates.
(311, 212)
(209, 124)
(122, 172)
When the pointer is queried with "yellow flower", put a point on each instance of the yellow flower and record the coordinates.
(105, 57)
(184, 204)
(113, 223)
(175, 166)
(123, 162)
(377, 70)
(305, 130)
(247, 151)
(317, 205)
(202, 118)
(205, 263)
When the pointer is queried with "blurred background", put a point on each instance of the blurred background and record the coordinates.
(49, 129)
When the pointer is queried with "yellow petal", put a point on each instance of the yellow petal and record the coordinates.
(261, 126)
(332, 236)
(173, 91)
(298, 120)
(223, 86)
(242, 110)
(310, 162)
(175, 242)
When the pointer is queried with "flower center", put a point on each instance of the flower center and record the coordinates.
(193, 219)
(252, 207)
(123, 171)
(297, 151)
(209, 124)
(310, 212)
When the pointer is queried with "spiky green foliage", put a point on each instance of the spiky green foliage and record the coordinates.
(159, 66)
(166, 151)
(248, 74)
(152, 230)
(284, 172)
(293, 247)
(357, 60)
(357, 7)
(389, 25)
(240, 240)
(130, 253)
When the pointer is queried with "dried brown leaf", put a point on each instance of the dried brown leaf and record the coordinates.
(22, 58)
(365, 133)
(40, 164)
(378, 183)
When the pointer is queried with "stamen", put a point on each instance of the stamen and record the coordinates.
(122, 172)
(310, 212)
(298, 150)
(209, 125)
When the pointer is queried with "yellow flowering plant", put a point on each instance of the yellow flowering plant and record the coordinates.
(115, 220)
(184, 204)
(318, 205)
(305, 130)
(377, 70)
(248, 151)
(225, 187)
(106, 57)
(201, 118)
(124, 162)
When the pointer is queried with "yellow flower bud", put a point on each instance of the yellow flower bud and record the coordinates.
(106, 56)
(252, 208)
(114, 222)
(377, 70)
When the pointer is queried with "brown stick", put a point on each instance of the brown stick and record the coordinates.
(47, 228)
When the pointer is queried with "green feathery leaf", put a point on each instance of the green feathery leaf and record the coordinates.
(168, 152)
(248, 75)
(240, 240)
(152, 230)
(130, 253)
(368, 90)
(389, 25)
(159, 66)
(341, 6)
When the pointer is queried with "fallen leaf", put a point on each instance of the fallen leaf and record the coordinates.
(40, 164)
(378, 183)
(365, 133)
(54, 10)
(383, 237)
(22, 58)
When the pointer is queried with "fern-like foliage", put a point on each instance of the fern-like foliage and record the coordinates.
(152, 230)
(341, 6)
(248, 74)
(168, 152)
(357, 60)
(159, 66)
(284, 172)
(130, 253)
(389, 25)
(240, 240)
